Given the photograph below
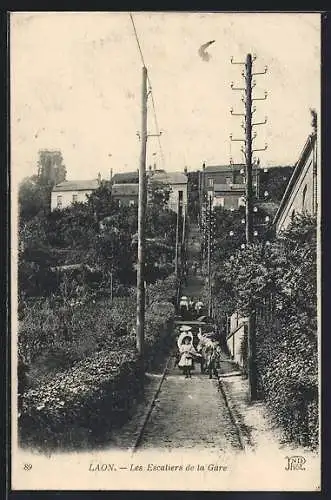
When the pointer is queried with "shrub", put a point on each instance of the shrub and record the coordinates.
(287, 361)
(53, 335)
(279, 282)
(163, 290)
(92, 396)
(82, 387)
(158, 327)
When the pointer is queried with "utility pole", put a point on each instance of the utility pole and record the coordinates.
(183, 245)
(248, 150)
(183, 225)
(177, 250)
(209, 255)
(141, 221)
(199, 191)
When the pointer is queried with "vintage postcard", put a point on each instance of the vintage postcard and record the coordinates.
(165, 215)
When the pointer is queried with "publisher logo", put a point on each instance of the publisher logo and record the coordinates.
(295, 462)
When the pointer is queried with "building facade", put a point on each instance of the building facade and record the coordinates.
(177, 182)
(126, 195)
(301, 193)
(125, 186)
(68, 192)
(222, 174)
(225, 184)
(228, 196)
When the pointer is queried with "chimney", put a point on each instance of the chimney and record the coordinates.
(185, 170)
(203, 166)
(99, 178)
(111, 174)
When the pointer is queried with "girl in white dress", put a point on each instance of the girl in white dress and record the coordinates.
(187, 352)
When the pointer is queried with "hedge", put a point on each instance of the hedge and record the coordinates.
(158, 328)
(54, 336)
(279, 281)
(288, 376)
(85, 401)
(163, 290)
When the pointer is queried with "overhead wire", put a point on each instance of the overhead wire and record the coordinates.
(157, 129)
(137, 39)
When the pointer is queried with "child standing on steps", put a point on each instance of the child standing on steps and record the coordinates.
(187, 352)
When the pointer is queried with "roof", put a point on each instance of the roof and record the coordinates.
(126, 178)
(170, 177)
(229, 187)
(223, 168)
(308, 147)
(128, 189)
(77, 185)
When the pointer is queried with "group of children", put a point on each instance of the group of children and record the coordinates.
(207, 353)
(190, 308)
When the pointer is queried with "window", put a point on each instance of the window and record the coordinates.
(228, 180)
(74, 198)
(59, 201)
(219, 201)
(241, 201)
(304, 194)
(119, 203)
(131, 203)
(210, 182)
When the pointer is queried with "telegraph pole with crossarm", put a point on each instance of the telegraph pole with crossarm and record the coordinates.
(142, 205)
(247, 151)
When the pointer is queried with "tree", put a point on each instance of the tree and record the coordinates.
(101, 202)
(72, 227)
(32, 198)
(193, 194)
(161, 224)
(158, 193)
(35, 191)
(227, 232)
(114, 250)
(274, 181)
(279, 279)
(97, 233)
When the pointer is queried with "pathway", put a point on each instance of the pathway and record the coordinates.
(190, 413)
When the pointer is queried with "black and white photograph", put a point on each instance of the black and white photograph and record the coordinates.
(165, 251)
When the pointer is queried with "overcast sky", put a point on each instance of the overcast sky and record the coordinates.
(76, 86)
